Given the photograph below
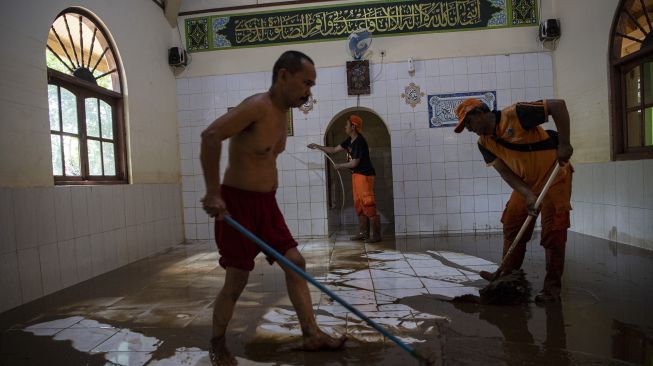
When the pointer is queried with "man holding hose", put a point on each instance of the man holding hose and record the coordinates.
(513, 142)
(257, 132)
(362, 178)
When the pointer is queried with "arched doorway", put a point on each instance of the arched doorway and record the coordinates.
(341, 215)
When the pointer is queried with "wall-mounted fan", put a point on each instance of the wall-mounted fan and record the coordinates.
(358, 43)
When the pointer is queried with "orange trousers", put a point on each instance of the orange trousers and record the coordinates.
(363, 194)
(554, 215)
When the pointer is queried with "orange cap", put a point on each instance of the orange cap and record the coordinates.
(462, 110)
(357, 122)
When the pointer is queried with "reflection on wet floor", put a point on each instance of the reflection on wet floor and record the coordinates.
(158, 311)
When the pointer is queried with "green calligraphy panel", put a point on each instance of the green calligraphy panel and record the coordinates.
(337, 22)
(524, 12)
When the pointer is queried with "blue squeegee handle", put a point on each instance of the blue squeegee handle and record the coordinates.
(283, 260)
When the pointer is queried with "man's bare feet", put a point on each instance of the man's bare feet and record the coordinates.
(323, 342)
(219, 354)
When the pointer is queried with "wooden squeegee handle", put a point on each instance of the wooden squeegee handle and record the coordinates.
(529, 218)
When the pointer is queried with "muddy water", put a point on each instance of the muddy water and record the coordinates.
(158, 311)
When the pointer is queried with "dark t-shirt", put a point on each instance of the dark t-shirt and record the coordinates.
(359, 150)
(530, 115)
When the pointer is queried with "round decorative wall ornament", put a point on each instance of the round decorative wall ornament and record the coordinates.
(308, 106)
(412, 94)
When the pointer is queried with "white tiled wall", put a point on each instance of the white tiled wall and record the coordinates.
(614, 201)
(55, 237)
(441, 184)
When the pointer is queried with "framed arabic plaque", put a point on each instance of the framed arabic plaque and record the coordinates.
(442, 107)
(358, 77)
(290, 129)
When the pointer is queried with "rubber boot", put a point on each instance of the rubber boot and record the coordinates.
(375, 237)
(363, 229)
(555, 264)
(514, 262)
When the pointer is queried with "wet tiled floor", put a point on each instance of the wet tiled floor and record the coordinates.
(158, 311)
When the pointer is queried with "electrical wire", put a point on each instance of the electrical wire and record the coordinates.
(378, 74)
(189, 57)
(540, 13)
(181, 39)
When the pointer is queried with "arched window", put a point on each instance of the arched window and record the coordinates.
(87, 130)
(631, 74)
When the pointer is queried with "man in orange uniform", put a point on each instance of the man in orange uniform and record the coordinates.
(513, 142)
(362, 178)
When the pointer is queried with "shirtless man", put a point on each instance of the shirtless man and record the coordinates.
(257, 128)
